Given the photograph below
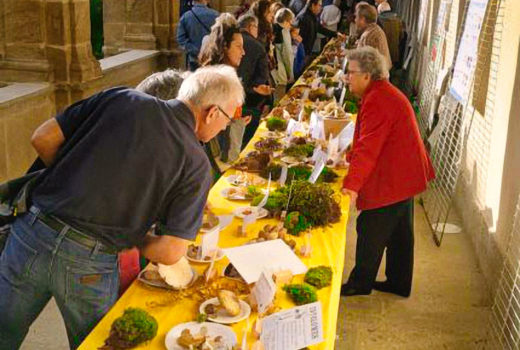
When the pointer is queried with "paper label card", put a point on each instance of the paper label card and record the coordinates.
(209, 242)
(321, 160)
(345, 137)
(283, 175)
(224, 221)
(342, 96)
(316, 126)
(264, 291)
(295, 328)
(266, 196)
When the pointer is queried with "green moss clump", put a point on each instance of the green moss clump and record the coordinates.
(136, 326)
(304, 150)
(276, 124)
(319, 277)
(296, 223)
(301, 293)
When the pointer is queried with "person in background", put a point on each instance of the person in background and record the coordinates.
(193, 26)
(296, 6)
(298, 51)
(283, 74)
(372, 35)
(383, 6)
(380, 180)
(331, 15)
(96, 199)
(244, 7)
(329, 18)
(254, 72)
(310, 27)
(262, 10)
(225, 45)
(275, 6)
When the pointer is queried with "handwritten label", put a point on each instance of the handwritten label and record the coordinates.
(264, 291)
(209, 242)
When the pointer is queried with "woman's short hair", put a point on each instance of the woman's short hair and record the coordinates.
(370, 61)
(246, 20)
(220, 37)
(212, 85)
(283, 15)
(164, 85)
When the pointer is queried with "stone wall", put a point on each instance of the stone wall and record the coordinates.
(46, 59)
(23, 107)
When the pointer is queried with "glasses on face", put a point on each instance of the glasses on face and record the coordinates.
(225, 114)
(351, 72)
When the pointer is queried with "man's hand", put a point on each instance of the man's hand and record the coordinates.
(264, 90)
(166, 250)
(352, 194)
(341, 36)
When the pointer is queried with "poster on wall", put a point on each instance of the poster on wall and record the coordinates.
(467, 56)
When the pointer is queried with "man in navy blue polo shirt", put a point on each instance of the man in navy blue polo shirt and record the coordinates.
(134, 160)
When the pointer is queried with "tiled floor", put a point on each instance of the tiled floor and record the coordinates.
(448, 309)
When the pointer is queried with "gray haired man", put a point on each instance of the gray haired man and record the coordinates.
(102, 191)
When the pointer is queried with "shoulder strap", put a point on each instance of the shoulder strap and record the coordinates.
(198, 20)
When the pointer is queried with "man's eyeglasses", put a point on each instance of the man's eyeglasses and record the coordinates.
(225, 114)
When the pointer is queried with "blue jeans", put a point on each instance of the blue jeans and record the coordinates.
(39, 263)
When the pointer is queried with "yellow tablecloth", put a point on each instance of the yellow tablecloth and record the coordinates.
(328, 248)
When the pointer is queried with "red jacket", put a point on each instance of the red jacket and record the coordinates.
(388, 161)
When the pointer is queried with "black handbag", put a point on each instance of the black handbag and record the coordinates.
(14, 201)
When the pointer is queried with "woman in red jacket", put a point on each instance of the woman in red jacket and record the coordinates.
(388, 167)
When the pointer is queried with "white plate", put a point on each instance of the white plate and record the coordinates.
(237, 180)
(214, 330)
(261, 212)
(273, 134)
(243, 180)
(235, 197)
(220, 255)
(161, 283)
(222, 316)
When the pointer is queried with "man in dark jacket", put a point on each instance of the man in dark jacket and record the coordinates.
(193, 26)
(254, 72)
(310, 27)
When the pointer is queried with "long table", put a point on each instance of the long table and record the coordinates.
(171, 308)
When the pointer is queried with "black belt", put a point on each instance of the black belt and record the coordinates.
(75, 235)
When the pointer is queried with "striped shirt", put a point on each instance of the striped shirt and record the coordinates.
(375, 37)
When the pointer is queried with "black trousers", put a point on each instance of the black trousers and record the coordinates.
(389, 227)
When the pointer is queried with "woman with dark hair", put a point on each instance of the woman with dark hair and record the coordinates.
(263, 11)
(225, 45)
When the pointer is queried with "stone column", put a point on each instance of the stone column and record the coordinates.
(23, 57)
(68, 46)
(114, 23)
(139, 33)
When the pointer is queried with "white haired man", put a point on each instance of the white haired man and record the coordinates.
(102, 191)
(388, 167)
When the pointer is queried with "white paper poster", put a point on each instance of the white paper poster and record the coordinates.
(468, 50)
(294, 328)
(252, 259)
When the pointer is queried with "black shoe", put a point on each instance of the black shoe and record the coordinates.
(347, 291)
(388, 288)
